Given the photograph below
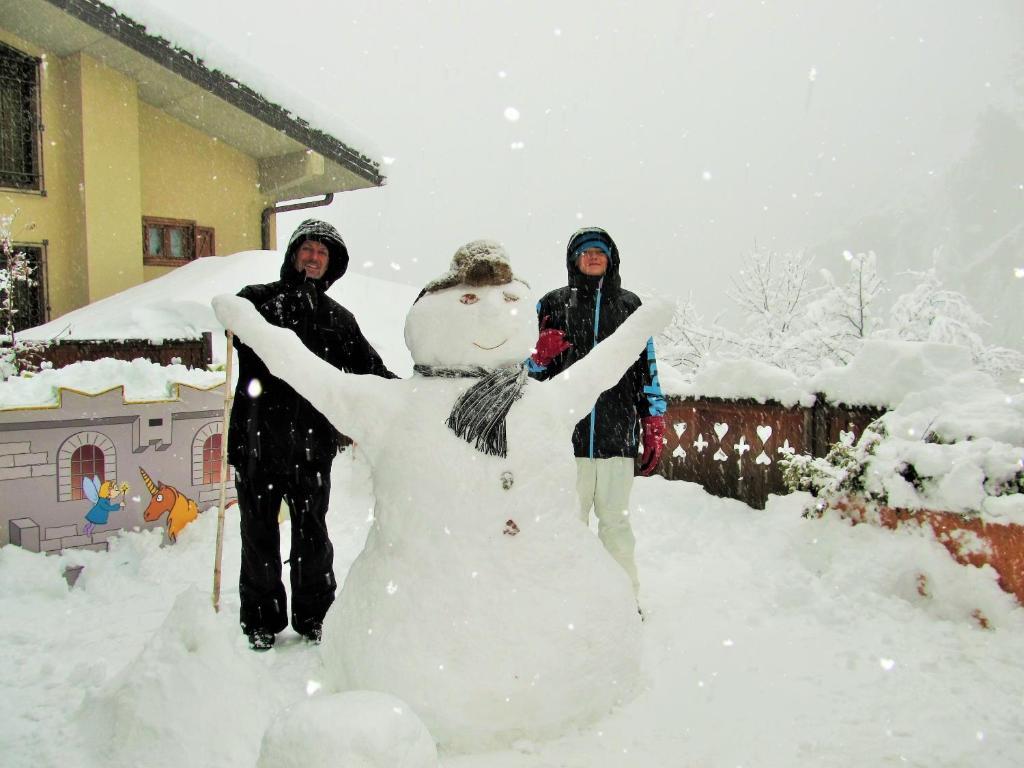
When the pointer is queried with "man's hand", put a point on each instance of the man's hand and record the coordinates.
(288, 309)
(550, 344)
(654, 433)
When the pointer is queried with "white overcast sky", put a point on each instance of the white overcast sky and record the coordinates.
(689, 130)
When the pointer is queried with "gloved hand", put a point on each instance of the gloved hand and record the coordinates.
(654, 432)
(550, 344)
(289, 309)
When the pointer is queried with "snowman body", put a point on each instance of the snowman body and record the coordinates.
(480, 599)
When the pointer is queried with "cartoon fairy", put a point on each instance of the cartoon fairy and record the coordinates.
(102, 496)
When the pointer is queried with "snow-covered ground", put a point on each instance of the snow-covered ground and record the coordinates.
(770, 640)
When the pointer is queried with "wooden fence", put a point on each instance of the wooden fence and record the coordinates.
(194, 353)
(733, 447)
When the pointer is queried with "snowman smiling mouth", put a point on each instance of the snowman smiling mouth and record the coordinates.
(481, 346)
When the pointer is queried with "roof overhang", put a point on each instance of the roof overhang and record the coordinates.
(295, 160)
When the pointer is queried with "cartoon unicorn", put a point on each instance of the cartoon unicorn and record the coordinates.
(180, 509)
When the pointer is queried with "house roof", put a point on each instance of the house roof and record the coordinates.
(297, 159)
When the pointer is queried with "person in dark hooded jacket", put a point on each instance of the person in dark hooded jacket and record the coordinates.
(573, 320)
(282, 448)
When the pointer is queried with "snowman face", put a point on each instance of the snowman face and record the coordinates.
(490, 326)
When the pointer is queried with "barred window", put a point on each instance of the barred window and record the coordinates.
(211, 459)
(87, 461)
(19, 120)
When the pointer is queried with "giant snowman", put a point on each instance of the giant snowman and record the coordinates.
(479, 598)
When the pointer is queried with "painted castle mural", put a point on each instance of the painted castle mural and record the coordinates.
(76, 473)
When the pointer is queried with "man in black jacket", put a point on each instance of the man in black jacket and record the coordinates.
(573, 320)
(282, 448)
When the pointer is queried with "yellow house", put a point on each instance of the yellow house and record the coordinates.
(123, 156)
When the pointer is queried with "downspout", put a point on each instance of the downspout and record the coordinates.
(274, 209)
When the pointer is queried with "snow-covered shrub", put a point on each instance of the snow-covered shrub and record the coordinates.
(957, 446)
(840, 473)
(14, 269)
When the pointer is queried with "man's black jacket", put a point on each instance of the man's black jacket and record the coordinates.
(273, 429)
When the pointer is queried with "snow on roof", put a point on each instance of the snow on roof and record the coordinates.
(207, 53)
(177, 305)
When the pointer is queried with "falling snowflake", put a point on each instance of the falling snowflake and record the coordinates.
(511, 114)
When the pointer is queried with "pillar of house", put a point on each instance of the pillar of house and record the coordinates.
(109, 208)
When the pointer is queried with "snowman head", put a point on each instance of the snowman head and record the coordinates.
(476, 315)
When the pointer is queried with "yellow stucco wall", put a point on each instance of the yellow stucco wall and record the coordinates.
(109, 159)
(57, 215)
(187, 174)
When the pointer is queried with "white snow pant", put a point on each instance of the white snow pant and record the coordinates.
(604, 484)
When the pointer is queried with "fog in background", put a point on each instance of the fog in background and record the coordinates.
(692, 131)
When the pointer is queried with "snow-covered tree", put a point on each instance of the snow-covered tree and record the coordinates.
(930, 312)
(771, 291)
(843, 314)
(14, 269)
(687, 341)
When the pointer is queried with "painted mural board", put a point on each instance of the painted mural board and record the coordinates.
(75, 473)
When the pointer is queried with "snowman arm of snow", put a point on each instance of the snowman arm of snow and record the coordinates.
(576, 389)
(356, 405)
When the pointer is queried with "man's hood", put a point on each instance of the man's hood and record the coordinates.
(322, 232)
(576, 278)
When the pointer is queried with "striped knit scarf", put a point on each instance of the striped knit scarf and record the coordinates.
(478, 416)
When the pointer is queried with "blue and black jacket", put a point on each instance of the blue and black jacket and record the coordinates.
(588, 310)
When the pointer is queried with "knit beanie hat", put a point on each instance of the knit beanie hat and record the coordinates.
(599, 244)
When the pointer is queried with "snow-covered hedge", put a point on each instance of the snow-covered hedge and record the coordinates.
(955, 446)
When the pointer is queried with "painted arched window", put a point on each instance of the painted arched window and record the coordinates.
(86, 461)
(206, 453)
(82, 455)
(211, 459)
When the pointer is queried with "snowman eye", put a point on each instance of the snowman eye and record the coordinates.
(469, 298)
(511, 297)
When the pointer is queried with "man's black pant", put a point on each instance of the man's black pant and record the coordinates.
(264, 604)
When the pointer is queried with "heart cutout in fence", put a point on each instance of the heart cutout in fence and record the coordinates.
(720, 430)
(679, 427)
(764, 432)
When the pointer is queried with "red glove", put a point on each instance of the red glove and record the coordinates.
(654, 432)
(550, 344)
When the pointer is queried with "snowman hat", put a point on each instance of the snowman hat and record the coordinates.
(477, 263)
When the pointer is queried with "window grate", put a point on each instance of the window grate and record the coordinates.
(19, 120)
